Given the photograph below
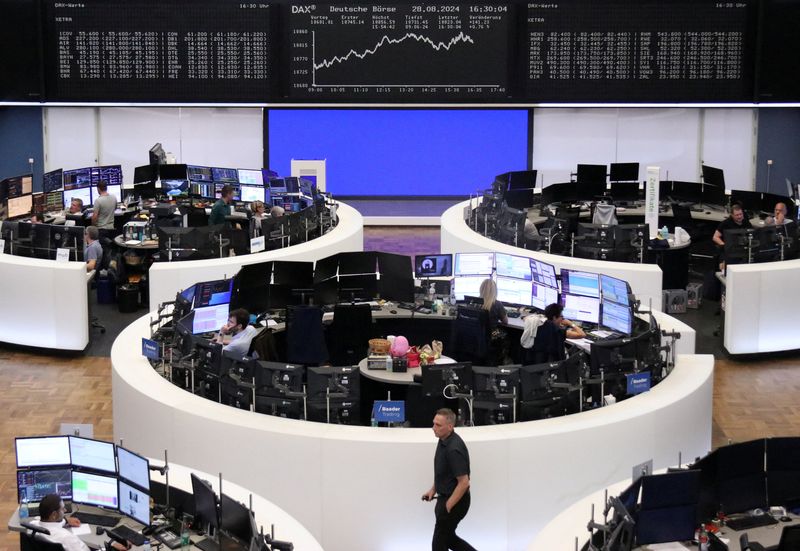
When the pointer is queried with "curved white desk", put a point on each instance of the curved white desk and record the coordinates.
(360, 487)
(458, 237)
(394, 377)
(43, 303)
(167, 278)
(760, 301)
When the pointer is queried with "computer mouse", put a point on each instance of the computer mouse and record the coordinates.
(99, 530)
(786, 519)
(392, 311)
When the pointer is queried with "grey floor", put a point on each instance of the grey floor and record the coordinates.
(402, 207)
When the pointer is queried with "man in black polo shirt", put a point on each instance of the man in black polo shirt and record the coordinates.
(451, 482)
(736, 221)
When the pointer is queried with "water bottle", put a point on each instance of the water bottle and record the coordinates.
(702, 539)
(23, 509)
(664, 232)
(185, 543)
(146, 545)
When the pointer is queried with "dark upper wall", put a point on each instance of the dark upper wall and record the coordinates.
(778, 141)
(21, 139)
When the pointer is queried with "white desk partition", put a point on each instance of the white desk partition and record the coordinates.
(43, 303)
(458, 237)
(167, 278)
(760, 302)
(360, 487)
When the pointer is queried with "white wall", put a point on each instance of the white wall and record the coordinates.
(676, 139)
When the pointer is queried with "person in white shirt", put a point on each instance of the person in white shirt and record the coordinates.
(241, 332)
(51, 517)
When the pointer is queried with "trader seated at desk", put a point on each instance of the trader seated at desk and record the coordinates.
(550, 341)
(75, 206)
(276, 211)
(51, 517)
(778, 218)
(259, 213)
(93, 251)
(736, 221)
(240, 330)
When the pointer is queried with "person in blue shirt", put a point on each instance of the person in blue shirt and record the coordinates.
(240, 331)
(221, 208)
(92, 252)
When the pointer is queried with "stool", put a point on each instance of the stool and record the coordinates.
(128, 298)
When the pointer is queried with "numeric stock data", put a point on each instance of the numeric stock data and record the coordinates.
(155, 50)
(395, 51)
(629, 50)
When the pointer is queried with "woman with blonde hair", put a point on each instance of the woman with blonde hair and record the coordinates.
(259, 213)
(497, 314)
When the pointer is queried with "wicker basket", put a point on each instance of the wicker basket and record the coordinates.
(379, 346)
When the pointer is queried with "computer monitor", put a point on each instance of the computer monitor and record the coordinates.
(252, 193)
(84, 194)
(467, 286)
(197, 173)
(614, 289)
(225, 175)
(33, 485)
(354, 263)
(53, 180)
(625, 191)
(42, 451)
(668, 508)
(581, 308)
(542, 296)
(308, 187)
(110, 174)
(292, 184)
(277, 185)
(690, 192)
(522, 179)
(491, 381)
(580, 283)
(433, 265)
(473, 264)
(20, 206)
(612, 356)
(456, 377)
(592, 174)
(210, 318)
(624, 172)
(134, 503)
(236, 519)
(237, 191)
(543, 273)
(714, 176)
(596, 235)
(278, 379)
(250, 177)
(288, 408)
(134, 468)
(205, 504)
(53, 201)
(741, 245)
(617, 317)
(92, 454)
(509, 265)
(211, 293)
(714, 195)
(514, 291)
(535, 380)
(145, 174)
(171, 188)
(340, 382)
(157, 155)
(95, 489)
(77, 178)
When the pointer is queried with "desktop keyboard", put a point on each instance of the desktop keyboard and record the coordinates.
(406, 306)
(207, 545)
(512, 313)
(128, 533)
(168, 538)
(98, 520)
(750, 521)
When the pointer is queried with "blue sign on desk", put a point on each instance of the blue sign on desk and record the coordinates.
(389, 411)
(150, 349)
(638, 382)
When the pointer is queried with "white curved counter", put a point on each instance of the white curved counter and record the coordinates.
(458, 237)
(360, 487)
(266, 513)
(43, 303)
(167, 278)
(759, 303)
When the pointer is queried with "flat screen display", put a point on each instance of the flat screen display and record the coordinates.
(42, 451)
(474, 264)
(53, 180)
(175, 187)
(581, 308)
(225, 175)
(33, 485)
(543, 296)
(95, 489)
(210, 318)
(544, 273)
(92, 454)
(624, 172)
(433, 265)
(252, 193)
(84, 194)
(79, 177)
(615, 290)
(617, 317)
(114, 191)
(199, 173)
(134, 503)
(20, 206)
(250, 177)
(514, 291)
(134, 468)
(580, 283)
(467, 286)
(509, 265)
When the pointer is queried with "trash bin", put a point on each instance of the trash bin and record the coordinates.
(105, 290)
(128, 298)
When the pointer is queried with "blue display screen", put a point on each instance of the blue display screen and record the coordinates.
(401, 152)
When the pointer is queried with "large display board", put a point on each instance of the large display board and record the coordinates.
(149, 50)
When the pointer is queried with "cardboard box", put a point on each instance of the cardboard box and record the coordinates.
(694, 295)
(675, 301)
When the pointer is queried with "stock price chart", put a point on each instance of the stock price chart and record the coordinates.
(148, 50)
(395, 51)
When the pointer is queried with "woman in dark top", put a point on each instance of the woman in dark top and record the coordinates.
(497, 314)
(552, 334)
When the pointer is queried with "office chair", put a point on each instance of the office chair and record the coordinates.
(349, 333)
(196, 217)
(305, 336)
(790, 541)
(604, 213)
(471, 335)
(32, 539)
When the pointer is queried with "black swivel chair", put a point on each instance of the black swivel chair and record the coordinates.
(349, 333)
(32, 539)
(790, 541)
(471, 335)
(305, 337)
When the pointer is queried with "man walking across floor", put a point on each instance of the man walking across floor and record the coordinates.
(450, 484)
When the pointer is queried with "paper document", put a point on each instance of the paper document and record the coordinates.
(81, 530)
